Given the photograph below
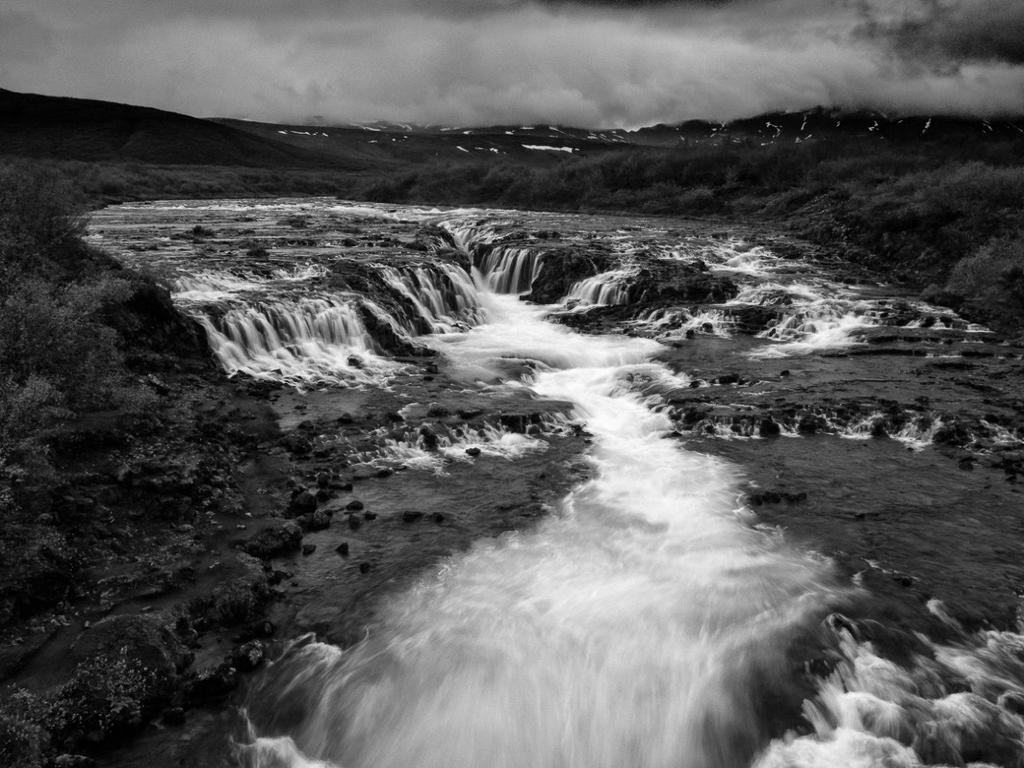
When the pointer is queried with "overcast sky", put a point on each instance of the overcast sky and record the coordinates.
(472, 62)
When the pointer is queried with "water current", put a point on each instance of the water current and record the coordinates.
(647, 621)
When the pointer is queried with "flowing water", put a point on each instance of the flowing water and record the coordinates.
(625, 630)
(648, 620)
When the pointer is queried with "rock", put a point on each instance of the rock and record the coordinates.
(1012, 701)
(769, 428)
(297, 443)
(364, 567)
(354, 522)
(323, 479)
(212, 684)
(143, 640)
(354, 506)
(474, 451)
(368, 515)
(302, 503)
(248, 656)
(74, 761)
(318, 521)
(342, 549)
(411, 516)
(428, 438)
(274, 542)
(308, 549)
(514, 422)
(808, 424)
(263, 628)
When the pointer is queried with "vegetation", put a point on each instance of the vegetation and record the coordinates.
(911, 210)
(934, 214)
(62, 359)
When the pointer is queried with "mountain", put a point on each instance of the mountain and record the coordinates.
(83, 129)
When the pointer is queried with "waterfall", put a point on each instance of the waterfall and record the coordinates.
(602, 289)
(628, 629)
(306, 341)
(443, 296)
(510, 270)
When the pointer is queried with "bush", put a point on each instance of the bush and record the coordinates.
(41, 225)
(991, 281)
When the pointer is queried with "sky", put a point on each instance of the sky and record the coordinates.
(482, 62)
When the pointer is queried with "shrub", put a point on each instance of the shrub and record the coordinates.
(992, 279)
(41, 224)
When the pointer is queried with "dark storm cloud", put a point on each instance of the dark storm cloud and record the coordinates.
(490, 61)
(950, 31)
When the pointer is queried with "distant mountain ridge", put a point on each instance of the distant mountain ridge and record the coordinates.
(89, 130)
(84, 129)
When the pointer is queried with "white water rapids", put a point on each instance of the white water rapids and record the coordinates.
(638, 626)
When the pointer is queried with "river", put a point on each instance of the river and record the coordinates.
(757, 567)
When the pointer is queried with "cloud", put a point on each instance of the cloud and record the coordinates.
(507, 61)
(945, 33)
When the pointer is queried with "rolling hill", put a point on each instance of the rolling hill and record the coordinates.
(83, 129)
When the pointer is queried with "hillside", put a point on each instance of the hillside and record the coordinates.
(61, 128)
(387, 143)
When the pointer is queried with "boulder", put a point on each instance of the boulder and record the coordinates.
(276, 541)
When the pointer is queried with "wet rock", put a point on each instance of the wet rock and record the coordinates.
(210, 685)
(954, 433)
(354, 522)
(323, 479)
(809, 424)
(474, 451)
(318, 521)
(73, 761)
(411, 516)
(248, 656)
(303, 503)
(364, 567)
(296, 443)
(428, 438)
(354, 506)
(769, 428)
(274, 542)
(514, 422)
(342, 549)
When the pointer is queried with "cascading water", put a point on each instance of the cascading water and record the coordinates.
(631, 628)
(510, 270)
(603, 289)
(307, 341)
(444, 296)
